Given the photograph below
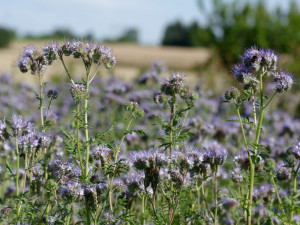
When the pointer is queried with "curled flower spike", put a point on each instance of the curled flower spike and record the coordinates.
(283, 81)
(52, 94)
(232, 93)
(255, 60)
(33, 60)
(90, 53)
(78, 92)
(50, 52)
(3, 132)
(295, 150)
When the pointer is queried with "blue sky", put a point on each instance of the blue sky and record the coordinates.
(103, 18)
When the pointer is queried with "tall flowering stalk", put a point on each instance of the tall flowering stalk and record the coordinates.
(173, 90)
(256, 65)
(90, 53)
(295, 151)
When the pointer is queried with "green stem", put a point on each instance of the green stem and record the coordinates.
(67, 71)
(243, 133)
(87, 211)
(143, 210)
(294, 192)
(86, 131)
(171, 124)
(277, 194)
(198, 194)
(26, 171)
(115, 161)
(252, 166)
(77, 136)
(216, 196)
(113, 175)
(254, 110)
(272, 98)
(17, 179)
(205, 202)
(95, 73)
(42, 123)
(251, 169)
(68, 219)
(261, 113)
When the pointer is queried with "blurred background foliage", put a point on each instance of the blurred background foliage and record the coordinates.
(6, 36)
(232, 26)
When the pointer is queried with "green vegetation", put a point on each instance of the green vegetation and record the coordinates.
(235, 25)
(6, 36)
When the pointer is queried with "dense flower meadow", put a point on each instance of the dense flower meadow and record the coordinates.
(151, 151)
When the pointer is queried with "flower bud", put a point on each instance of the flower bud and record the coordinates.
(52, 94)
(232, 93)
(78, 92)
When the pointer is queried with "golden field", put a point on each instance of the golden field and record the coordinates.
(132, 60)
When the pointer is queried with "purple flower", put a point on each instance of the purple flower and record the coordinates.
(66, 49)
(215, 154)
(49, 52)
(269, 59)
(77, 48)
(107, 58)
(28, 143)
(3, 131)
(29, 51)
(236, 175)
(255, 60)
(252, 58)
(78, 92)
(295, 150)
(18, 124)
(283, 81)
(242, 73)
(23, 64)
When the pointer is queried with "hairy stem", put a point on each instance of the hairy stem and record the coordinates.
(251, 182)
(205, 201)
(115, 161)
(216, 195)
(77, 137)
(17, 178)
(272, 98)
(86, 125)
(143, 210)
(294, 192)
(109, 193)
(277, 194)
(67, 71)
(254, 110)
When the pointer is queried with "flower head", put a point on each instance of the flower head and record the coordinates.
(78, 92)
(283, 81)
(50, 52)
(295, 150)
(107, 58)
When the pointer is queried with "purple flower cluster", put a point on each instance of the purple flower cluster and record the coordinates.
(295, 150)
(32, 142)
(33, 60)
(50, 52)
(255, 60)
(36, 61)
(20, 126)
(283, 81)
(89, 52)
(263, 61)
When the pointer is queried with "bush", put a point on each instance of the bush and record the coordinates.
(234, 25)
(6, 36)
